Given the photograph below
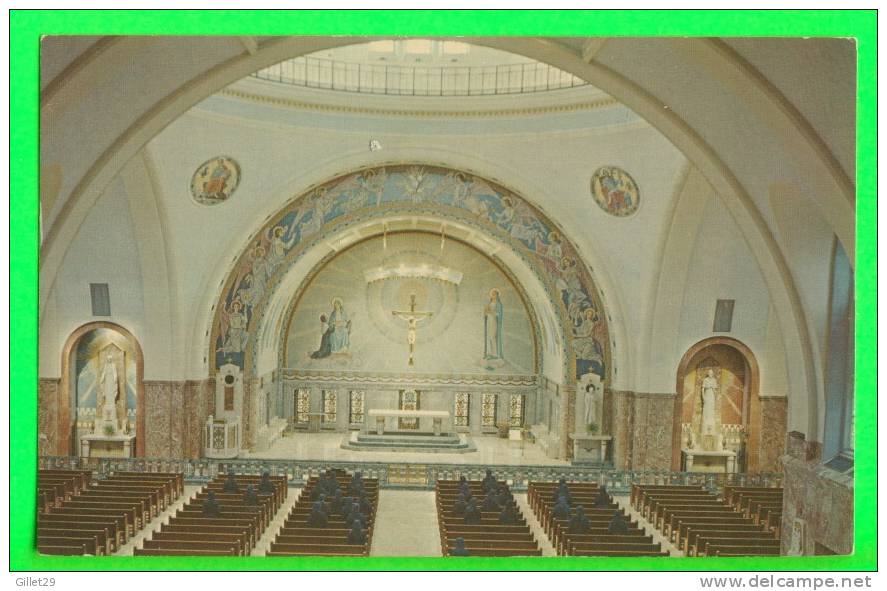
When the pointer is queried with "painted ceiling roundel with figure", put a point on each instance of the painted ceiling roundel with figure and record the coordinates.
(615, 191)
(376, 193)
(215, 180)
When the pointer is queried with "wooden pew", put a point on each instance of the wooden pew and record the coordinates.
(116, 526)
(135, 512)
(688, 543)
(203, 545)
(124, 518)
(90, 543)
(71, 548)
(278, 549)
(239, 540)
(738, 550)
(180, 552)
(201, 523)
(706, 545)
(106, 544)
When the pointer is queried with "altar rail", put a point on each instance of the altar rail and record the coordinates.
(410, 475)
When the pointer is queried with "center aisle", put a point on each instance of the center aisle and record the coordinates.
(406, 524)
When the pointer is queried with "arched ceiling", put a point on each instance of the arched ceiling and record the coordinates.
(682, 87)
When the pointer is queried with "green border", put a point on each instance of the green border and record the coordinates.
(26, 27)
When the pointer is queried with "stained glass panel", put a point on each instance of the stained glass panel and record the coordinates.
(463, 406)
(355, 409)
(516, 410)
(330, 403)
(302, 405)
(488, 410)
(409, 400)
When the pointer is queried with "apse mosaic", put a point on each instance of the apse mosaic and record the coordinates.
(215, 180)
(615, 191)
(474, 201)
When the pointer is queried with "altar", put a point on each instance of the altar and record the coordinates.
(432, 433)
(698, 460)
(428, 421)
(107, 446)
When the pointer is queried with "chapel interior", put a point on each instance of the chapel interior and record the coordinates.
(446, 297)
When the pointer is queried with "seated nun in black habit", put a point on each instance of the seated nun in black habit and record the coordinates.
(491, 502)
(318, 489)
(211, 506)
(332, 484)
(508, 516)
(489, 481)
(353, 513)
(472, 513)
(357, 535)
(266, 487)
(618, 525)
(459, 549)
(356, 484)
(503, 497)
(230, 484)
(358, 519)
(603, 498)
(364, 503)
(465, 489)
(336, 502)
(579, 523)
(460, 504)
(250, 497)
(317, 518)
(561, 509)
(562, 490)
(347, 504)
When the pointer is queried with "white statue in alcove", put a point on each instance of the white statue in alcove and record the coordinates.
(710, 389)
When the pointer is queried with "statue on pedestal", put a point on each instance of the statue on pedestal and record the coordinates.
(106, 398)
(592, 391)
(706, 434)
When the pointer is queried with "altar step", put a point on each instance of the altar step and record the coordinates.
(409, 442)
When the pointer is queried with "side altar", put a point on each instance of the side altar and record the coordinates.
(426, 431)
(706, 448)
(111, 436)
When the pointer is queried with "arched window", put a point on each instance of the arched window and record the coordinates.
(839, 377)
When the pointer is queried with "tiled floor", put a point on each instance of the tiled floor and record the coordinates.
(327, 446)
(406, 524)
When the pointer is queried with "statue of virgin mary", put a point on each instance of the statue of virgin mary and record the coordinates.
(493, 314)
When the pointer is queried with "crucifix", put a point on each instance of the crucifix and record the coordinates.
(413, 318)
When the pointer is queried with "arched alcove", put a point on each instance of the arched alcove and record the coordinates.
(82, 357)
(737, 412)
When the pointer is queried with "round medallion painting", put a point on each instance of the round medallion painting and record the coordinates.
(215, 180)
(615, 191)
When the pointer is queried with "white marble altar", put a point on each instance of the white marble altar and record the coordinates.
(376, 421)
(698, 460)
(107, 446)
(590, 448)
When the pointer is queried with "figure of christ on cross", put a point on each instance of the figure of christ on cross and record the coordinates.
(413, 318)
